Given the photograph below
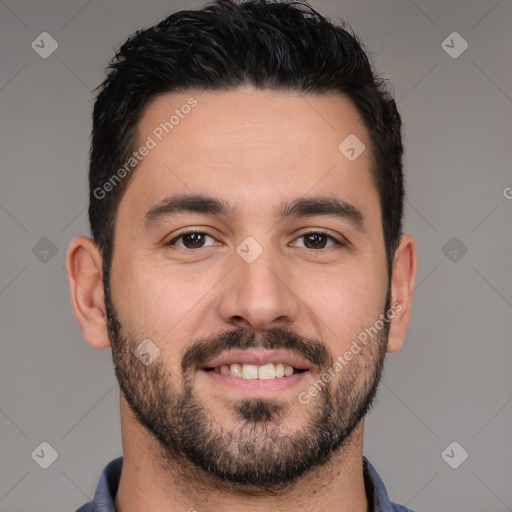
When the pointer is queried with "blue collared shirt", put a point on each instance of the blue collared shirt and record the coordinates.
(378, 500)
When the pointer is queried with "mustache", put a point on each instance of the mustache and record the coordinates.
(312, 350)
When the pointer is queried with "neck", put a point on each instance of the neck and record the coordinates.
(147, 486)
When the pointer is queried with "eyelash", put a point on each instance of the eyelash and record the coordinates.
(171, 243)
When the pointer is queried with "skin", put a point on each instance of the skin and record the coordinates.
(253, 149)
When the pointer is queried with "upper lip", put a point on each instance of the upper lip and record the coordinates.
(258, 357)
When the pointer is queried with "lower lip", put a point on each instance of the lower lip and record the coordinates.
(256, 387)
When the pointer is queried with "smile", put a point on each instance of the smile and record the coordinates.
(254, 371)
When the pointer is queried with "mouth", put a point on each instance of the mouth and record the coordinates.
(256, 373)
(253, 371)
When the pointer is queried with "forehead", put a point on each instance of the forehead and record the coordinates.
(250, 147)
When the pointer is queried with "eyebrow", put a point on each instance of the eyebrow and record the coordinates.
(302, 207)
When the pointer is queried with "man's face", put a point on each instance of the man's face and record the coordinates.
(247, 280)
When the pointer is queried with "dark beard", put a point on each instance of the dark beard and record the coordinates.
(260, 458)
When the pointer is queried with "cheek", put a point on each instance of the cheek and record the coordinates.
(148, 308)
(352, 288)
(154, 300)
(136, 295)
(345, 303)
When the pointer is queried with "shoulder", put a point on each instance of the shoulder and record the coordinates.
(399, 508)
(88, 507)
(106, 490)
(377, 493)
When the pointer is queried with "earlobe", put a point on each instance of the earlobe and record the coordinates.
(85, 277)
(402, 285)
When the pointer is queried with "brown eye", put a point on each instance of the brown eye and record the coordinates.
(317, 240)
(190, 240)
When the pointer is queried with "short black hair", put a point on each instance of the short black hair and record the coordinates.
(281, 46)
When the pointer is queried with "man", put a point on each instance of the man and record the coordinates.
(247, 266)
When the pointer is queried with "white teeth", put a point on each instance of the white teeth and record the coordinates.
(267, 371)
(254, 371)
(235, 370)
(250, 371)
(288, 370)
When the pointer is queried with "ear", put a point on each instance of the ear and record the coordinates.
(85, 274)
(402, 284)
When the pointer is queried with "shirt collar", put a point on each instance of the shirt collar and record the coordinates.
(376, 493)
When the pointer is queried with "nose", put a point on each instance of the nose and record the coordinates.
(259, 295)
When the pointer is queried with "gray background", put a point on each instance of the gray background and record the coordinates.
(452, 381)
